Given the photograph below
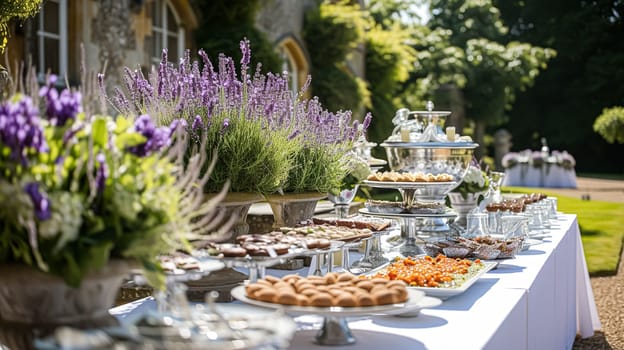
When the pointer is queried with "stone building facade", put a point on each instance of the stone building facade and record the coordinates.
(132, 33)
(114, 34)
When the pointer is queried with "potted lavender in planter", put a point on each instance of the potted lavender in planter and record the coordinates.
(268, 140)
(322, 164)
(234, 117)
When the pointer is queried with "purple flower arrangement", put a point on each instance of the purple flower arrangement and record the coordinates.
(77, 190)
(256, 124)
(538, 159)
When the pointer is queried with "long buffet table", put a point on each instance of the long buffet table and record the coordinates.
(547, 175)
(539, 300)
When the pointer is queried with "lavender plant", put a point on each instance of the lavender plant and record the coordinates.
(268, 139)
(77, 190)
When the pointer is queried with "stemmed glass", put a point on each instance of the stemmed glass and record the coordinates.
(496, 181)
(342, 202)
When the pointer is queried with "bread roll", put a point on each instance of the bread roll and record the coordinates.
(365, 300)
(286, 297)
(266, 294)
(366, 285)
(384, 297)
(345, 300)
(321, 300)
(271, 279)
(346, 277)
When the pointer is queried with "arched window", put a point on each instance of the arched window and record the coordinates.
(167, 32)
(51, 45)
(294, 62)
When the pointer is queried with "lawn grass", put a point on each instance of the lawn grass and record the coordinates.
(602, 229)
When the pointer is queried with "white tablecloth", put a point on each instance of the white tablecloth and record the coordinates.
(552, 175)
(539, 300)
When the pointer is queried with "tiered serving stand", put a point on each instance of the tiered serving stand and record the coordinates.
(419, 145)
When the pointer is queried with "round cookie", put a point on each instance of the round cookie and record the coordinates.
(233, 252)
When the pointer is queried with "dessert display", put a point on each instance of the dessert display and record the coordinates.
(179, 263)
(361, 222)
(484, 247)
(272, 244)
(415, 207)
(329, 232)
(294, 240)
(516, 205)
(344, 290)
(427, 271)
(393, 176)
(425, 165)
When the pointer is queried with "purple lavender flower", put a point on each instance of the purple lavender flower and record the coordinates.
(367, 121)
(63, 107)
(246, 51)
(156, 138)
(197, 123)
(20, 128)
(218, 89)
(225, 126)
(40, 202)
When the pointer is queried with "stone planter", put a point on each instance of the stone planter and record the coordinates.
(238, 204)
(292, 208)
(33, 302)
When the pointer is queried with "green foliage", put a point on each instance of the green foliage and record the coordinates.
(250, 156)
(317, 168)
(331, 31)
(18, 9)
(224, 22)
(585, 76)
(338, 88)
(494, 71)
(610, 124)
(389, 62)
(130, 218)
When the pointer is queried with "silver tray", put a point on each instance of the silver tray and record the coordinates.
(410, 185)
(447, 215)
(335, 311)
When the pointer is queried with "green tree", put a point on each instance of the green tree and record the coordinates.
(610, 124)
(331, 32)
(13, 9)
(494, 69)
(389, 61)
(224, 23)
(584, 78)
(18, 9)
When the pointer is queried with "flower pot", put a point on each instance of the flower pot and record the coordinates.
(34, 303)
(238, 204)
(34, 298)
(463, 206)
(293, 208)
